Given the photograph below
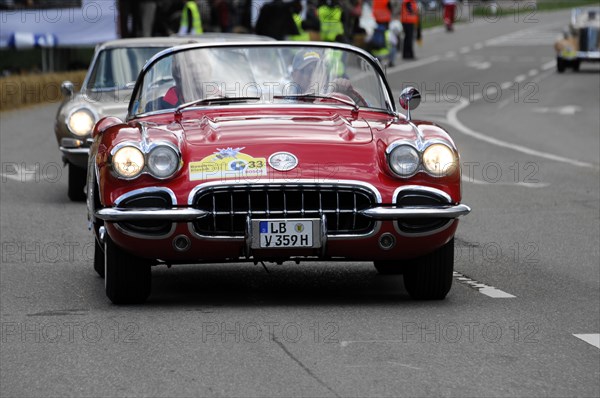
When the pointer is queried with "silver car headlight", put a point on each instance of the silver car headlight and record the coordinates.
(439, 160)
(163, 161)
(128, 162)
(404, 160)
(81, 122)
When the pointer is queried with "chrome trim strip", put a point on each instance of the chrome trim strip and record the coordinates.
(393, 213)
(146, 191)
(174, 214)
(281, 182)
(75, 151)
(422, 188)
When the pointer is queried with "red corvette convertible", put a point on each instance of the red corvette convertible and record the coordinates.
(282, 151)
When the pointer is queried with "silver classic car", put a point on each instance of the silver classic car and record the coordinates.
(106, 91)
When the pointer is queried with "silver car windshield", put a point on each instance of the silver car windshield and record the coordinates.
(119, 67)
(273, 74)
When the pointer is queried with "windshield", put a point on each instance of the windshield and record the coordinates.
(119, 67)
(259, 74)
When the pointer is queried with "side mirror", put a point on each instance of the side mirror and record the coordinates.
(67, 89)
(410, 98)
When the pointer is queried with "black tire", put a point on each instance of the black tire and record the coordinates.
(560, 65)
(576, 64)
(77, 177)
(389, 267)
(98, 258)
(430, 277)
(127, 278)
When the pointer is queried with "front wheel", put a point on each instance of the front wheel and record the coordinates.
(98, 258)
(430, 277)
(77, 177)
(127, 278)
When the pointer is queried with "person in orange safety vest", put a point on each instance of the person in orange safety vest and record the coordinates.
(409, 16)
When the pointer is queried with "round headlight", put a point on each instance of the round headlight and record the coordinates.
(128, 162)
(81, 122)
(404, 160)
(439, 160)
(163, 161)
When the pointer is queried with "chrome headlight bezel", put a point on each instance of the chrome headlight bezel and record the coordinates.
(430, 160)
(398, 146)
(114, 153)
(70, 121)
(145, 151)
(423, 165)
(153, 149)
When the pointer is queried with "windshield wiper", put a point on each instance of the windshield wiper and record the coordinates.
(215, 100)
(312, 97)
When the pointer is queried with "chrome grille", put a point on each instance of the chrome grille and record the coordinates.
(229, 207)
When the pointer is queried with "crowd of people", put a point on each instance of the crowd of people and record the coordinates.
(396, 22)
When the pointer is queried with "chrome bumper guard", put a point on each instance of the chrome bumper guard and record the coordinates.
(174, 214)
(396, 213)
(75, 151)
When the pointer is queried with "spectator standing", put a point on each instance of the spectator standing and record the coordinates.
(275, 20)
(449, 14)
(144, 18)
(297, 15)
(127, 18)
(191, 21)
(331, 18)
(409, 16)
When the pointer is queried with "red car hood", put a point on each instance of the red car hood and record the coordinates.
(325, 127)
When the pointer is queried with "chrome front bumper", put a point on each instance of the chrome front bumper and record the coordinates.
(191, 214)
(396, 213)
(174, 214)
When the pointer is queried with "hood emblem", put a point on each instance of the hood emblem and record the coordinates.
(283, 161)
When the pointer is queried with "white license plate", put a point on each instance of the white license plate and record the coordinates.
(275, 234)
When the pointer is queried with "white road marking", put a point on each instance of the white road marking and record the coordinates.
(520, 78)
(500, 183)
(592, 338)
(479, 65)
(478, 46)
(453, 121)
(569, 110)
(450, 54)
(525, 88)
(549, 65)
(506, 85)
(533, 72)
(414, 64)
(487, 290)
(465, 50)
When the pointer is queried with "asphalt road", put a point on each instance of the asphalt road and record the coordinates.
(527, 258)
